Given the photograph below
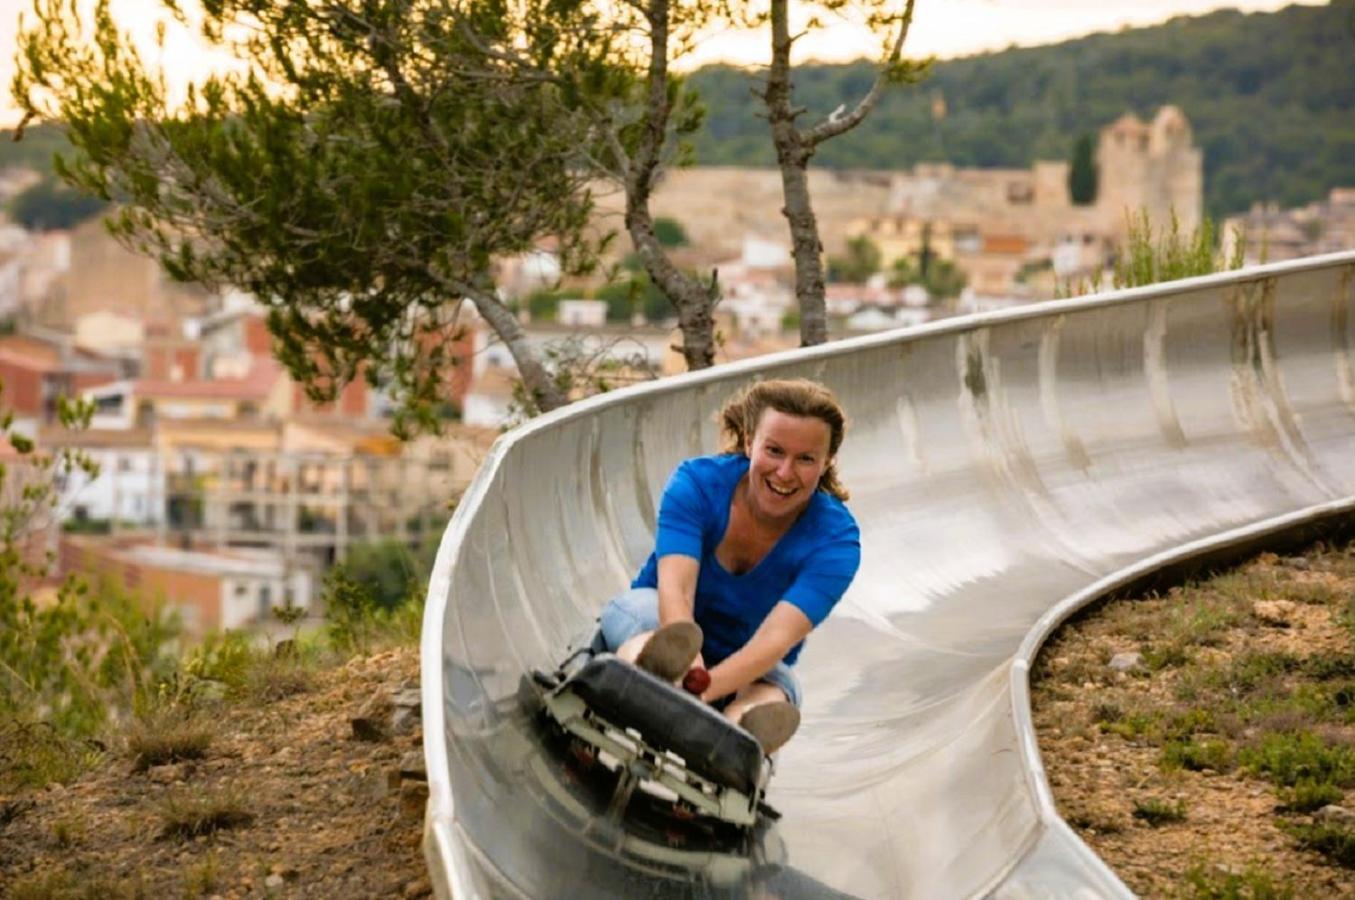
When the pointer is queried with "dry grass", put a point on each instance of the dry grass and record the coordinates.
(167, 735)
(188, 812)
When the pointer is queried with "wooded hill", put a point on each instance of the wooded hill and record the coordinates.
(1271, 98)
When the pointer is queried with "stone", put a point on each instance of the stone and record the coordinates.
(409, 698)
(274, 881)
(1126, 662)
(372, 723)
(1274, 612)
(166, 774)
(404, 720)
(1296, 562)
(413, 799)
(412, 766)
(1331, 814)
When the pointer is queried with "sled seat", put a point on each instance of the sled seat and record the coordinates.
(670, 719)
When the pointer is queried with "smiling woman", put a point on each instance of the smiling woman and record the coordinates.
(754, 548)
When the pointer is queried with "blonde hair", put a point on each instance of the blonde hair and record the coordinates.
(795, 397)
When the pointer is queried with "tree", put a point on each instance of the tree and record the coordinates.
(358, 176)
(47, 206)
(862, 261)
(670, 232)
(1082, 173)
(641, 146)
(795, 147)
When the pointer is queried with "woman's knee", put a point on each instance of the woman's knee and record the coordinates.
(628, 614)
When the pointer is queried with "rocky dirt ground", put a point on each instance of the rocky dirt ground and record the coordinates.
(302, 806)
(1202, 741)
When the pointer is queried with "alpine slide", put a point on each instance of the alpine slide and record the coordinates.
(1006, 468)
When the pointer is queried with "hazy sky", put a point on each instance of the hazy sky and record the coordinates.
(945, 28)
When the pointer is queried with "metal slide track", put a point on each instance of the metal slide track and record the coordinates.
(1006, 468)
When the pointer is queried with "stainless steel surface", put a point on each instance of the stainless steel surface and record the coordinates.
(1005, 469)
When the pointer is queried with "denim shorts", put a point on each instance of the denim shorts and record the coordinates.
(637, 611)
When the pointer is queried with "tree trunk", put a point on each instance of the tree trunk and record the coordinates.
(693, 299)
(794, 149)
(792, 155)
(542, 391)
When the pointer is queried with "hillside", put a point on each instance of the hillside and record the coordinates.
(1270, 97)
(284, 801)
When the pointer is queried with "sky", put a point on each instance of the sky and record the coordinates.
(944, 28)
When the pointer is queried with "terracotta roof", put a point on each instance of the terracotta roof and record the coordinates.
(31, 353)
(1005, 243)
(51, 436)
(263, 375)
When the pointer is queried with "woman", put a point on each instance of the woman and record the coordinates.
(754, 548)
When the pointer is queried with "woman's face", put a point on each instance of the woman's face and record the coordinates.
(788, 454)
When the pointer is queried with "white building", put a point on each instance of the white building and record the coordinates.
(129, 486)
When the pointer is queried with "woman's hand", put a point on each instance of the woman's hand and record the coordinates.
(784, 627)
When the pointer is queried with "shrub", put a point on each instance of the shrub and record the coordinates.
(1157, 812)
(35, 754)
(1333, 842)
(1289, 758)
(167, 735)
(188, 812)
(1308, 796)
(1252, 884)
(1197, 756)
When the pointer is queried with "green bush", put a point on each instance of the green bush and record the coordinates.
(1289, 758)
(1308, 796)
(1157, 812)
(1197, 756)
(1333, 842)
(1253, 884)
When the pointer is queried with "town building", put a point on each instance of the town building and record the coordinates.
(1271, 234)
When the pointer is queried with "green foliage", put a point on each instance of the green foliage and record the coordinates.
(1156, 811)
(388, 569)
(542, 304)
(1197, 756)
(1290, 758)
(1171, 256)
(1082, 173)
(1274, 124)
(1208, 883)
(941, 278)
(1332, 841)
(221, 657)
(631, 294)
(69, 659)
(1309, 796)
(861, 261)
(1149, 258)
(49, 206)
(358, 617)
(670, 232)
(34, 754)
(358, 174)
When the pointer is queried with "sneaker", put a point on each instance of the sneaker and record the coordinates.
(671, 650)
(772, 724)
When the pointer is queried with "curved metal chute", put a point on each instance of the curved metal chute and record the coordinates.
(1005, 468)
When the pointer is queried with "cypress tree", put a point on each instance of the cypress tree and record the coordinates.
(1082, 173)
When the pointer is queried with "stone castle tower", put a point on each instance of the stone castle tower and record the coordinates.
(1154, 167)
